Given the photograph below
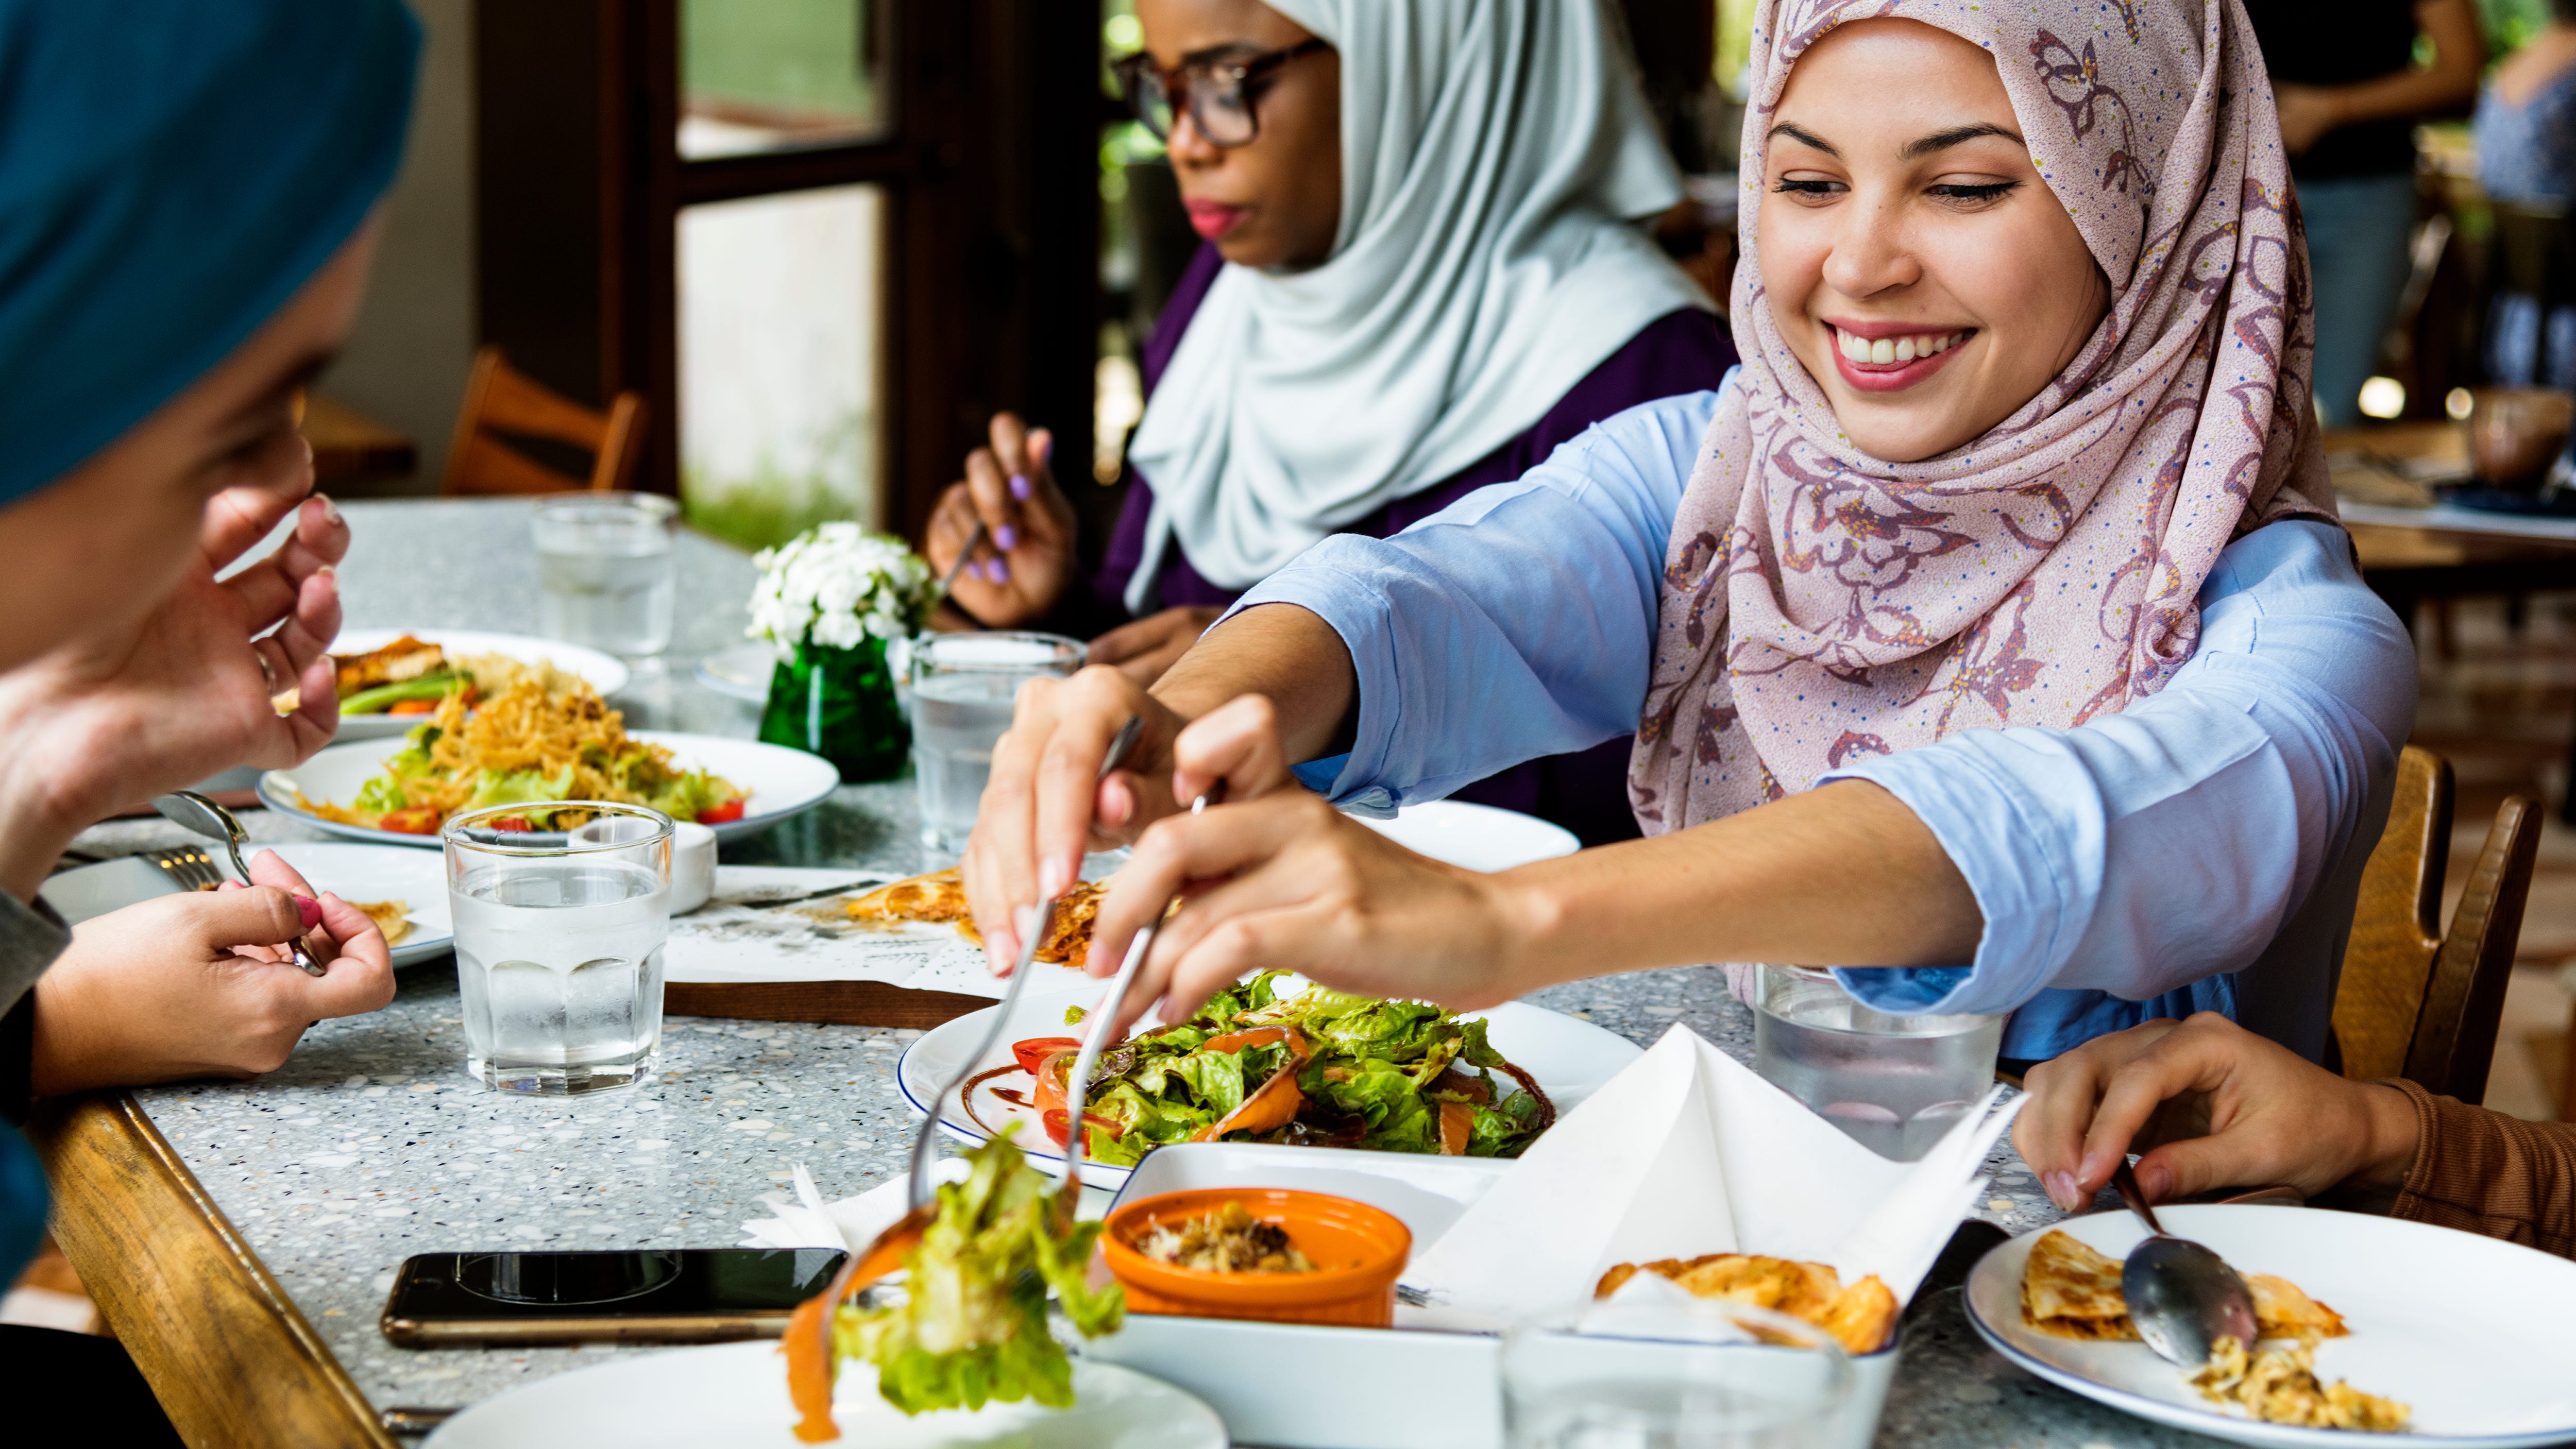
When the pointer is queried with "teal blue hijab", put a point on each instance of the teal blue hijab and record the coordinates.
(171, 171)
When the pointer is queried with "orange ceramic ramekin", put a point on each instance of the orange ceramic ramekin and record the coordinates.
(1358, 1252)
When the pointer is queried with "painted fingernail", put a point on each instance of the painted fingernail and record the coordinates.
(1006, 538)
(309, 911)
(1053, 877)
(998, 571)
(1019, 489)
(2061, 1190)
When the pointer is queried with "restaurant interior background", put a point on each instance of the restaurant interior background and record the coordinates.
(825, 239)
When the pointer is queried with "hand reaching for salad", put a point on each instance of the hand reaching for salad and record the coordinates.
(119, 716)
(199, 985)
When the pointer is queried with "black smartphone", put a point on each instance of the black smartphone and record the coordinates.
(674, 1295)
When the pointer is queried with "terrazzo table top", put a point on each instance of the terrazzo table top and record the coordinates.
(373, 1145)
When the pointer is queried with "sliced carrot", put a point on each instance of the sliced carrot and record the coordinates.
(1050, 1076)
(811, 1364)
(1457, 1120)
(1235, 1041)
(1277, 1102)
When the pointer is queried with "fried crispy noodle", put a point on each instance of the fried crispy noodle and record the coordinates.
(2280, 1386)
(2071, 1290)
(1859, 1317)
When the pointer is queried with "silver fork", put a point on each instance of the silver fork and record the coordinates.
(188, 866)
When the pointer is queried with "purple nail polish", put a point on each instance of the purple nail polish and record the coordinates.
(1006, 538)
(998, 571)
(1019, 489)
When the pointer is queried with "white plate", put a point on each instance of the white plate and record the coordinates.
(605, 673)
(351, 872)
(742, 671)
(1570, 1060)
(2477, 1334)
(1475, 837)
(735, 1394)
(780, 781)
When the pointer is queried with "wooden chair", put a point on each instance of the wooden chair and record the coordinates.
(501, 402)
(2415, 1002)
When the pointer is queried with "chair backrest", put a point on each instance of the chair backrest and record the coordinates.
(2414, 1001)
(501, 402)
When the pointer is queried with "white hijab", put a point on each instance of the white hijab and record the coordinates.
(1492, 152)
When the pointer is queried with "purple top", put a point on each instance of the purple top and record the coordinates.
(1680, 352)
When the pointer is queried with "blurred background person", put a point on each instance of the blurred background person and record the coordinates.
(1421, 276)
(2350, 93)
(2526, 147)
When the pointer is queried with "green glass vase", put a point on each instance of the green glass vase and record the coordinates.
(839, 704)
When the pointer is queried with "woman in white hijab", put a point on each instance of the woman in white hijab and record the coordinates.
(1422, 275)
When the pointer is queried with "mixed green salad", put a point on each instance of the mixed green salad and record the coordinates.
(1317, 1068)
(972, 1324)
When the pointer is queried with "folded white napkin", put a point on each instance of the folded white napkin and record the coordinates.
(1685, 1152)
(762, 924)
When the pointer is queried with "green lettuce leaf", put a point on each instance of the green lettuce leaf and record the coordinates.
(519, 787)
(972, 1326)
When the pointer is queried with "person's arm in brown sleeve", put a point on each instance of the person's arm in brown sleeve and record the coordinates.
(2486, 1173)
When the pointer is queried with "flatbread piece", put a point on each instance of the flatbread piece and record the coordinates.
(1860, 1316)
(939, 898)
(2072, 1290)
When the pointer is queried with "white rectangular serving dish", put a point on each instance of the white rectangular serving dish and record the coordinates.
(1310, 1386)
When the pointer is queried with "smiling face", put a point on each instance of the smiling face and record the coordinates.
(1276, 201)
(1916, 264)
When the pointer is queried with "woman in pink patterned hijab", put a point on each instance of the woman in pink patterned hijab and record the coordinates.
(1988, 637)
(1822, 602)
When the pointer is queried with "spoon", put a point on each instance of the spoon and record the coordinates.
(191, 811)
(1078, 1084)
(2181, 1296)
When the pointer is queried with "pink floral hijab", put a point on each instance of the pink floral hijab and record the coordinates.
(1820, 605)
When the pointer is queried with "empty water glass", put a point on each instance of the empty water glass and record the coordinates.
(1662, 1371)
(606, 575)
(961, 687)
(559, 936)
(1895, 1083)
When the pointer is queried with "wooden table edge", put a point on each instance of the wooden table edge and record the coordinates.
(231, 1358)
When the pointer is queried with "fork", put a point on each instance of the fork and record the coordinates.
(188, 866)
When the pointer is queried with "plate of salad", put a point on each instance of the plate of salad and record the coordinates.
(535, 742)
(1273, 1059)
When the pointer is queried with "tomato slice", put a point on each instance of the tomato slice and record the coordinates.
(512, 822)
(1038, 1048)
(724, 814)
(1059, 1125)
(421, 820)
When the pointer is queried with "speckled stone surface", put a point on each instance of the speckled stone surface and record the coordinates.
(373, 1145)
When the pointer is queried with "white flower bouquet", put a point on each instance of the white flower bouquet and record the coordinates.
(837, 585)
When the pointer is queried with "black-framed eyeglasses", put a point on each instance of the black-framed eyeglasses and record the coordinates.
(1218, 91)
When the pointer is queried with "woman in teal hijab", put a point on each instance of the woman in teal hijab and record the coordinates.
(186, 194)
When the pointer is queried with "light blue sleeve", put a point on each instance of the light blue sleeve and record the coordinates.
(2146, 852)
(1515, 623)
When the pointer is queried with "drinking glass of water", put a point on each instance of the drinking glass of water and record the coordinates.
(1896, 1083)
(560, 913)
(1667, 1372)
(962, 686)
(605, 572)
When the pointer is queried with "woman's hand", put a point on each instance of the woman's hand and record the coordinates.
(1144, 649)
(106, 721)
(1021, 568)
(2307, 114)
(1283, 881)
(199, 985)
(2218, 1106)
